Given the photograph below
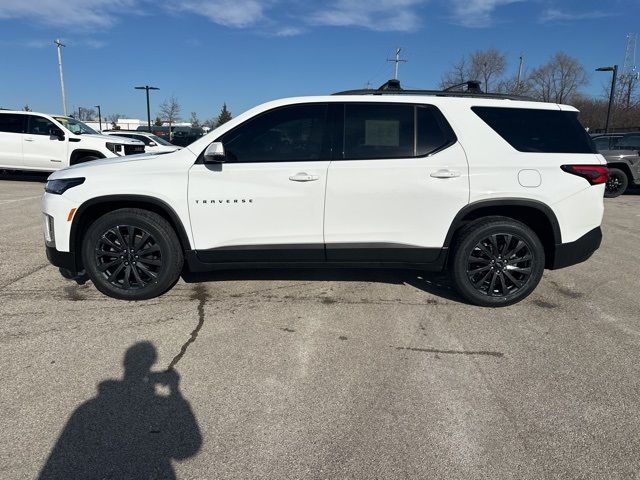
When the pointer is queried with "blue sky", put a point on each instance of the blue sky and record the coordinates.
(245, 52)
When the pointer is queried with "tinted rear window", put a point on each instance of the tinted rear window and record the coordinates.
(532, 130)
(12, 123)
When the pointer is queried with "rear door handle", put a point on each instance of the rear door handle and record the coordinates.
(29, 139)
(303, 177)
(444, 173)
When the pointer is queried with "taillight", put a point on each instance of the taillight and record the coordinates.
(594, 174)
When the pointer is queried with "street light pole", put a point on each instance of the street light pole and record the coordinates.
(99, 116)
(613, 69)
(59, 44)
(147, 88)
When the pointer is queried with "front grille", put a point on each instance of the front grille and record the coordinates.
(133, 149)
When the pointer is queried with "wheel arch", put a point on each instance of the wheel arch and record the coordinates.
(98, 206)
(536, 215)
(625, 168)
(80, 153)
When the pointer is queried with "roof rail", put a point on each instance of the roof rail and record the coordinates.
(392, 87)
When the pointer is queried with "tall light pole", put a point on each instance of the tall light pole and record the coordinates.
(613, 69)
(59, 44)
(99, 116)
(147, 88)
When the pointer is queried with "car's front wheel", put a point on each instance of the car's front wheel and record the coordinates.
(132, 254)
(616, 183)
(497, 262)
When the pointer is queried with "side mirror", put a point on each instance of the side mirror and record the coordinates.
(56, 132)
(214, 153)
(152, 144)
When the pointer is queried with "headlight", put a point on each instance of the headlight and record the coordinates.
(114, 147)
(58, 187)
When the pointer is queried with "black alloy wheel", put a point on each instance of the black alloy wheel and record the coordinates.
(128, 257)
(496, 261)
(500, 264)
(616, 183)
(132, 254)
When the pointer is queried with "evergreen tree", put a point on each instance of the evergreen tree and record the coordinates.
(225, 115)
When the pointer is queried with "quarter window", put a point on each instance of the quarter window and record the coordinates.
(40, 126)
(536, 130)
(288, 134)
(12, 123)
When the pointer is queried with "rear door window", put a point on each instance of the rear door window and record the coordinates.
(374, 131)
(535, 130)
(12, 123)
(629, 142)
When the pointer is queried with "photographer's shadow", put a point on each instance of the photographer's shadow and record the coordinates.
(132, 429)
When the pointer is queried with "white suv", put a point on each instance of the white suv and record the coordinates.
(493, 189)
(152, 143)
(42, 142)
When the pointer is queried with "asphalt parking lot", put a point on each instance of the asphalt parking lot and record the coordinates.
(331, 374)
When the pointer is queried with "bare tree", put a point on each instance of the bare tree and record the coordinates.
(487, 66)
(457, 74)
(627, 91)
(86, 114)
(113, 119)
(195, 121)
(559, 79)
(170, 112)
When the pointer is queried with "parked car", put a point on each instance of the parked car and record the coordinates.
(493, 189)
(605, 141)
(180, 135)
(153, 143)
(624, 171)
(39, 141)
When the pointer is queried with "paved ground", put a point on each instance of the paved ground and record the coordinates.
(318, 375)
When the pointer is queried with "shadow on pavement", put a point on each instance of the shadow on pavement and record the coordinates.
(129, 430)
(433, 283)
(24, 176)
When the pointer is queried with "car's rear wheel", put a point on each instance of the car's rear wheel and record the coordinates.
(132, 254)
(616, 183)
(497, 262)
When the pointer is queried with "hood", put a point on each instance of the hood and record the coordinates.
(112, 139)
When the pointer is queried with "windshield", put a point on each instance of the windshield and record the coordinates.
(75, 126)
(159, 141)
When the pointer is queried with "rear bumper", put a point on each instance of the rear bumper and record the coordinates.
(66, 260)
(567, 254)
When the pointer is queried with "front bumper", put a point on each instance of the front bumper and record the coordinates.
(66, 260)
(567, 254)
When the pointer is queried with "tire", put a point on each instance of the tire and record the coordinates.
(477, 267)
(145, 271)
(616, 184)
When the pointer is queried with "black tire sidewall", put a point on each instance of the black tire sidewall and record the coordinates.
(163, 234)
(470, 238)
(624, 179)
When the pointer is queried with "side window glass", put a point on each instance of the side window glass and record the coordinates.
(142, 138)
(40, 126)
(602, 143)
(12, 123)
(378, 131)
(295, 133)
(433, 131)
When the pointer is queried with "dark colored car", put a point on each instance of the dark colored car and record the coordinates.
(622, 152)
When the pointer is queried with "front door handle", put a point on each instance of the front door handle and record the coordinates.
(444, 173)
(29, 139)
(303, 177)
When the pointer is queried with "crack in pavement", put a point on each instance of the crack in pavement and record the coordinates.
(452, 352)
(30, 272)
(200, 294)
